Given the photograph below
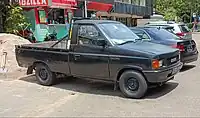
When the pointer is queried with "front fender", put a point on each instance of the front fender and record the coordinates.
(124, 68)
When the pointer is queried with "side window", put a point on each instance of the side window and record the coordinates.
(145, 36)
(142, 34)
(88, 34)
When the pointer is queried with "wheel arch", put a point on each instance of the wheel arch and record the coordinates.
(32, 67)
(127, 68)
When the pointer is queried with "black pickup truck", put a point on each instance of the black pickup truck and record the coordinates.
(102, 50)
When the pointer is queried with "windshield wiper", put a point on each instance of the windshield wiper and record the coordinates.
(132, 41)
(140, 39)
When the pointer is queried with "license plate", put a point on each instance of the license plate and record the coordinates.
(189, 49)
(173, 60)
(175, 70)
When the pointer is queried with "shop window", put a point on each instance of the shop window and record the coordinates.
(42, 16)
(124, 1)
(56, 16)
(142, 3)
(139, 2)
(127, 1)
(135, 2)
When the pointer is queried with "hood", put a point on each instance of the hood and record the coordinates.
(148, 47)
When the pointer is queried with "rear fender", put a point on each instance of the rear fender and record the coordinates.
(39, 62)
(32, 67)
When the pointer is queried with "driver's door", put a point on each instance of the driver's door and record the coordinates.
(88, 58)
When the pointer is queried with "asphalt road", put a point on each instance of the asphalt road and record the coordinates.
(76, 97)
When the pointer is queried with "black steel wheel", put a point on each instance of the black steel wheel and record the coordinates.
(133, 84)
(44, 75)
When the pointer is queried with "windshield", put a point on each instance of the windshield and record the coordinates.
(170, 30)
(118, 32)
(141, 34)
(158, 34)
(184, 28)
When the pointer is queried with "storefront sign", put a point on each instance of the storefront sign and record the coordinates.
(33, 2)
(64, 3)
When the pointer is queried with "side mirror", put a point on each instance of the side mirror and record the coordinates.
(101, 42)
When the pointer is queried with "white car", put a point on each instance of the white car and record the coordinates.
(180, 29)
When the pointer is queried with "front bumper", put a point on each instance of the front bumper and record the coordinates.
(189, 57)
(163, 75)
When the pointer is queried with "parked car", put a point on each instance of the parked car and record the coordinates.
(180, 29)
(102, 50)
(168, 28)
(188, 49)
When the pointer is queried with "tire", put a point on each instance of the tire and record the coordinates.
(133, 84)
(44, 75)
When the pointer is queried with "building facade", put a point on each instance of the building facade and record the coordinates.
(93, 7)
(125, 11)
(128, 11)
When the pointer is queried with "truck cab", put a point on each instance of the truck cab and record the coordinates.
(102, 50)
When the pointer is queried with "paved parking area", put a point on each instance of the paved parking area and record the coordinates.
(76, 97)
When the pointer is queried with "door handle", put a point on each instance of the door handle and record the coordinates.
(115, 58)
(77, 56)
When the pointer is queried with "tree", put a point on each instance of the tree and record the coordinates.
(15, 21)
(177, 8)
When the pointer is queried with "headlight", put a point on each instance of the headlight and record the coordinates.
(157, 64)
(161, 63)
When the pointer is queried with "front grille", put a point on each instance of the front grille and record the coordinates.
(172, 60)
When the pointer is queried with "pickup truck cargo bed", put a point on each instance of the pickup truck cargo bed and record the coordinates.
(45, 45)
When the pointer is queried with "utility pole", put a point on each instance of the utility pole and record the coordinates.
(85, 8)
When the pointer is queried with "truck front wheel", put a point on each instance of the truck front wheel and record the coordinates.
(44, 75)
(133, 84)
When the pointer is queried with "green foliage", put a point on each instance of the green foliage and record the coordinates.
(166, 7)
(170, 14)
(177, 8)
(15, 20)
(190, 25)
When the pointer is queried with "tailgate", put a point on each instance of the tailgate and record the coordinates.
(20, 59)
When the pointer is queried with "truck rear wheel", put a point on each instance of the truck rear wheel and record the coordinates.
(44, 75)
(133, 84)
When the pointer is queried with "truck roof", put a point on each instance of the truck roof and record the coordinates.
(95, 21)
